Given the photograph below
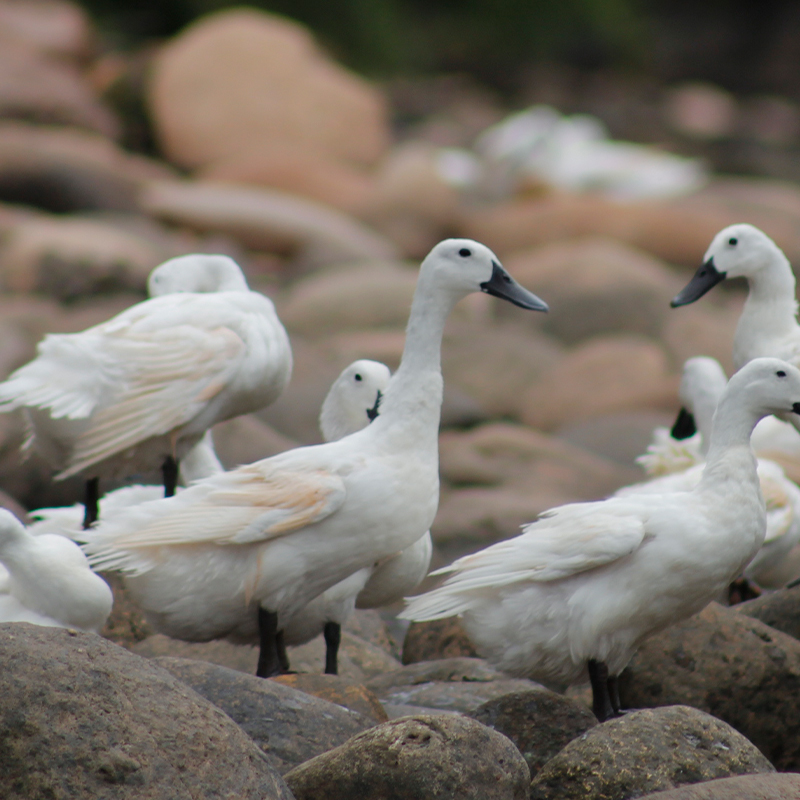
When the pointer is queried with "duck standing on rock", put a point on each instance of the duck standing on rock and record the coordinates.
(137, 392)
(584, 585)
(352, 402)
(234, 554)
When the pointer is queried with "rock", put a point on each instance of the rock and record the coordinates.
(471, 670)
(82, 717)
(430, 756)
(39, 88)
(350, 297)
(71, 257)
(52, 27)
(608, 374)
(598, 285)
(266, 219)
(540, 723)
(358, 660)
(700, 110)
(731, 666)
(126, 625)
(267, 82)
(339, 690)
(299, 170)
(242, 658)
(245, 439)
(779, 610)
(464, 697)
(646, 751)
(368, 625)
(441, 638)
(780, 786)
(288, 725)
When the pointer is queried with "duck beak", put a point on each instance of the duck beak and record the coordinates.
(707, 277)
(502, 285)
(372, 413)
(684, 426)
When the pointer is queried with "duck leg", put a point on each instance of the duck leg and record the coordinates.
(91, 499)
(602, 706)
(613, 694)
(169, 472)
(333, 637)
(742, 589)
(283, 656)
(269, 659)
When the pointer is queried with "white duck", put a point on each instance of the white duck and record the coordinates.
(585, 584)
(46, 580)
(138, 391)
(233, 554)
(352, 402)
(702, 384)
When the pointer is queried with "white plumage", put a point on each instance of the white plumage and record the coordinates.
(234, 553)
(124, 395)
(46, 580)
(587, 582)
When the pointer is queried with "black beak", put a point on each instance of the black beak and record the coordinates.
(704, 279)
(684, 426)
(501, 284)
(373, 412)
(796, 408)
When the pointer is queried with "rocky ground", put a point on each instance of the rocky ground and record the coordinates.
(271, 152)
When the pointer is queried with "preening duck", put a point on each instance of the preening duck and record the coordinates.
(46, 580)
(352, 402)
(233, 554)
(138, 391)
(585, 584)
(702, 384)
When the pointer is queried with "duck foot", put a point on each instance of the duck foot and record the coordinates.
(333, 637)
(91, 499)
(741, 590)
(269, 659)
(169, 474)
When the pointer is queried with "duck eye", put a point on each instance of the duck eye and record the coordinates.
(780, 373)
(358, 377)
(464, 252)
(733, 241)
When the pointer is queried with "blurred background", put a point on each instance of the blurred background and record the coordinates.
(596, 145)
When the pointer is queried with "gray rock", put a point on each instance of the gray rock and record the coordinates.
(731, 666)
(540, 723)
(290, 726)
(779, 610)
(435, 757)
(358, 660)
(465, 696)
(82, 717)
(441, 638)
(646, 751)
(779, 786)
(445, 669)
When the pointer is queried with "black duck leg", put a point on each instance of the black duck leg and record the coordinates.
(269, 659)
(283, 656)
(333, 637)
(613, 694)
(602, 706)
(169, 472)
(741, 590)
(91, 499)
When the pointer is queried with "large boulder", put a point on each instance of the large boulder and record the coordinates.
(539, 723)
(646, 751)
(436, 757)
(290, 726)
(82, 717)
(779, 610)
(729, 665)
(267, 81)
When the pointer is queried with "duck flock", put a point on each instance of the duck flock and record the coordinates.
(279, 551)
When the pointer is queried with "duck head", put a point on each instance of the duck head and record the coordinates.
(463, 266)
(770, 386)
(197, 272)
(354, 399)
(737, 251)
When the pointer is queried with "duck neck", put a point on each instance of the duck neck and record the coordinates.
(415, 391)
(770, 311)
(730, 455)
